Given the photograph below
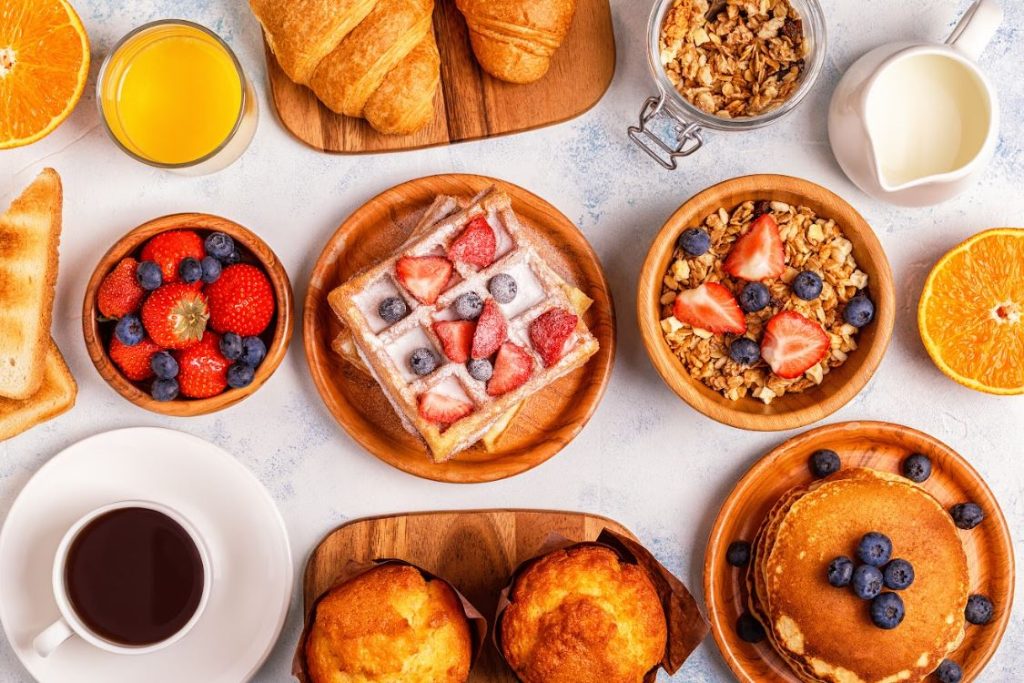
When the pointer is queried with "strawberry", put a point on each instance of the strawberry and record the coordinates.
(757, 255)
(491, 331)
(441, 409)
(241, 301)
(175, 316)
(133, 360)
(456, 337)
(710, 307)
(203, 369)
(476, 245)
(512, 368)
(169, 249)
(792, 344)
(119, 293)
(424, 276)
(550, 331)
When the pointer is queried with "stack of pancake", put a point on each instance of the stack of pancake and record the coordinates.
(826, 633)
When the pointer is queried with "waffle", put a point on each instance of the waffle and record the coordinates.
(385, 349)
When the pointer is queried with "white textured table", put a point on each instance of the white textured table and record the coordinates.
(646, 458)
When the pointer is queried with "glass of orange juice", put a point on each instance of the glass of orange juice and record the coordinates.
(173, 95)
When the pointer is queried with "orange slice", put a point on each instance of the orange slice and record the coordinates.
(971, 314)
(44, 62)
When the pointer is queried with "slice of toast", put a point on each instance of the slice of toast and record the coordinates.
(29, 237)
(55, 396)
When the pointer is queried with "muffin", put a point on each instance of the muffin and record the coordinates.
(389, 624)
(583, 615)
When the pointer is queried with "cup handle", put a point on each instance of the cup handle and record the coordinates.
(976, 28)
(51, 638)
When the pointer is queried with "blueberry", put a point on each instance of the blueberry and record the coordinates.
(807, 285)
(738, 554)
(887, 611)
(468, 306)
(423, 361)
(232, 258)
(949, 672)
(750, 629)
(149, 276)
(917, 467)
(129, 330)
(867, 582)
(211, 269)
(164, 366)
(231, 346)
(825, 462)
(694, 242)
(840, 572)
(503, 288)
(744, 351)
(754, 297)
(219, 245)
(979, 610)
(240, 375)
(967, 515)
(898, 574)
(164, 389)
(190, 270)
(874, 549)
(253, 351)
(859, 311)
(393, 309)
(480, 370)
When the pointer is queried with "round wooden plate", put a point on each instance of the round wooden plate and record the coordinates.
(545, 424)
(882, 446)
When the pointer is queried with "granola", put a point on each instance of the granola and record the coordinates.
(745, 59)
(810, 243)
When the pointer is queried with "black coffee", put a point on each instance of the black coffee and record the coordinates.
(134, 576)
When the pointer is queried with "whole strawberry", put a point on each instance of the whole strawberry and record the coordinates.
(175, 316)
(134, 361)
(169, 249)
(203, 369)
(119, 293)
(241, 301)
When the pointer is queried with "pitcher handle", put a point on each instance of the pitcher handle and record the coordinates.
(688, 135)
(976, 28)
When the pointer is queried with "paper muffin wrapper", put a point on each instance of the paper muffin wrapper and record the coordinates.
(353, 569)
(687, 626)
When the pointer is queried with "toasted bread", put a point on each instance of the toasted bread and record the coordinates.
(55, 396)
(29, 237)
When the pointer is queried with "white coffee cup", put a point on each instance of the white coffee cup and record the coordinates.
(70, 624)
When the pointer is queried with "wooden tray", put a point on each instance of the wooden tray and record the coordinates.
(882, 446)
(544, 425)
(475, 551)
(470, 104)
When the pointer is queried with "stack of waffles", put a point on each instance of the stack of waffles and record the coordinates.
(463, 323)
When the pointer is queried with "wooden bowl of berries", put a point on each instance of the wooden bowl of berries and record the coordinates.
(187, 314)
(766, 302)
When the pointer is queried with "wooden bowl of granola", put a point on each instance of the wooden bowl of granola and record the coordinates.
(820, 233)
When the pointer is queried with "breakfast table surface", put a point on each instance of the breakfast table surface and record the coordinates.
(645, 459)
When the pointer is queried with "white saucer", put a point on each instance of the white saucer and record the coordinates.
(245, 535)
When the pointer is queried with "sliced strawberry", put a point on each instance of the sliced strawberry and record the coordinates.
(442, 409)
(792, 344)
(456, 337)
(550, 331)
(512, 368)
(710, 307)
(424, 276)
(757, 255)
(476, 245)
(491, 331)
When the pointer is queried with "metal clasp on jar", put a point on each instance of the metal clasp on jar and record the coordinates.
(688, 137)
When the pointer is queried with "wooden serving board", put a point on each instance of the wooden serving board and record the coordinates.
(475, 551)
(548, 420)
(470, 104)
(881, 446)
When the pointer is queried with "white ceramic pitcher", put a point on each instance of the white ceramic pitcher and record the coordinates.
(915, 124)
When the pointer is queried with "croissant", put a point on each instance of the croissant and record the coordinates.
(514, 39)
(375, 59)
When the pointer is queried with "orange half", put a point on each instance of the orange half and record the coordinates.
(44, 63)
(971, 314)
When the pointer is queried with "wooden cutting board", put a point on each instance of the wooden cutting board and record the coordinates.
(470, 104)
(475, 551)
